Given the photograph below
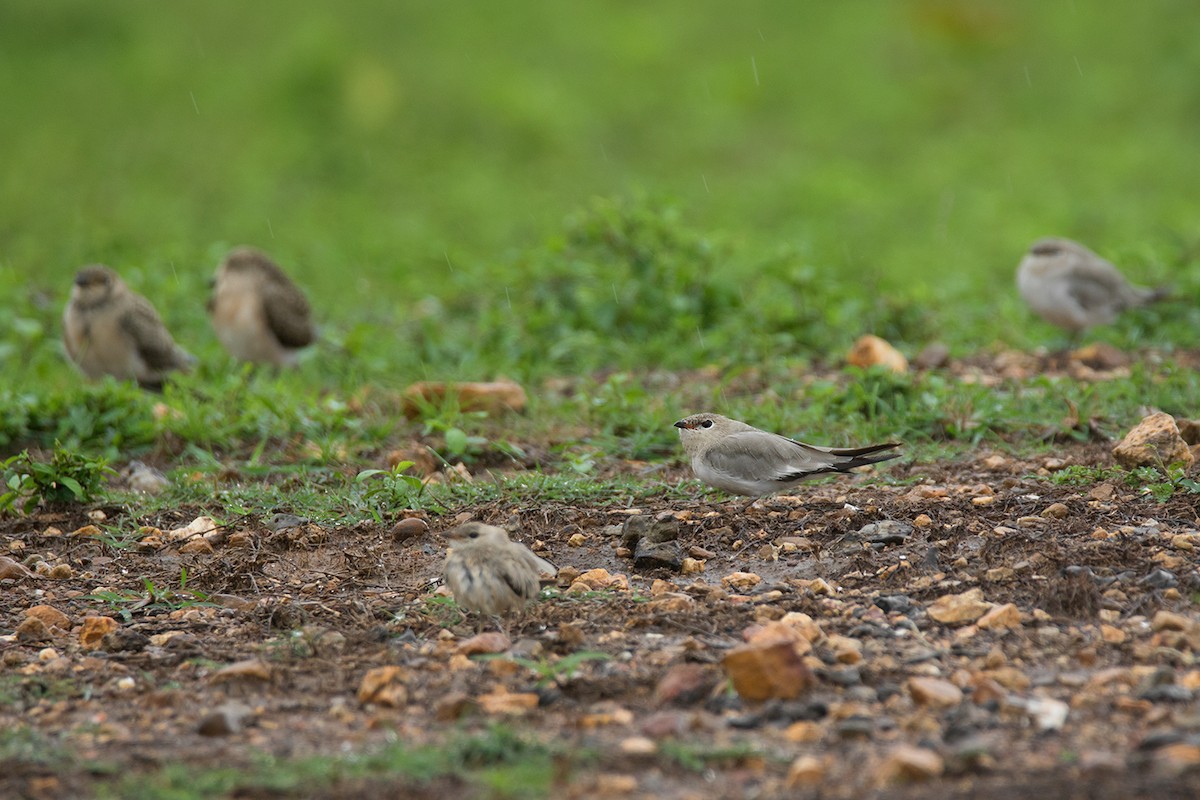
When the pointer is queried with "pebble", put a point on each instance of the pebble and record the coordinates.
(934, 692)
(905, 763)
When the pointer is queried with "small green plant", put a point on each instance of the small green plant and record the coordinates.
(1161, 482)
(559, 671)
(65, 477)
(154, 598)
(697, 757)
(393, 489)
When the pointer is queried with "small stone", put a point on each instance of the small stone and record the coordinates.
(1112, 634)
(94, 630)
(995, 461)
(684, 684)
(905, 763)
(741, 581)
(932, 356)
(496, 398)
(384, 686)
(501, 701)
(143, 478)
(123, 640)
(845, 649)
(409, 528)
(804, 731)
(197, 527)
(955, 609)
(13, 569)
(33, 630)
(227, 718)
(491, 642)
(871, 350)
(198, 545)
(1048, 714)
(894, 603)
(51, 616)
(611, 784)
(764, 671)
(922, 521)
(888, 531)
(1056, 511)
(638, 746)
(692, 566)
(249, 669)
(577, 540)
(807, 770)
(1170, 621)
(934, 692)
(88, 531)
(658, 555)
(1155, 440)
(451, 706)
(1005, 616)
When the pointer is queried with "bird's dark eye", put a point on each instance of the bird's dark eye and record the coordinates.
(708, 423)
(474, 534)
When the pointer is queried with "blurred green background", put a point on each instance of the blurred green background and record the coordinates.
(537, 188)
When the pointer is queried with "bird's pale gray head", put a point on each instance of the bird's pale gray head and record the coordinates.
(1052, 246)
(700, 431)
(94, 284)
(246, 260)
(470, 533)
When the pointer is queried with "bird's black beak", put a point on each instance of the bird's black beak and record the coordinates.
(681, 424)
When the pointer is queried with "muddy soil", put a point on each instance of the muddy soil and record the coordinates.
(1087, 687)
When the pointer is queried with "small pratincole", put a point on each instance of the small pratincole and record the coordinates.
(742, 459)
(109, 329)
(257, 312)
(1068, 285)
(489, 573)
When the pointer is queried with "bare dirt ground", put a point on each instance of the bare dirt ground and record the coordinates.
(1085, 687)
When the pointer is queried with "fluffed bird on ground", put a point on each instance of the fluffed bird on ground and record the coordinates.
(742, 459)
(1068, 285)
(489, 573)
(109, 329)
(257, 312)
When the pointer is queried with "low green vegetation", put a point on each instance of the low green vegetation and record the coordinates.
(495, 762)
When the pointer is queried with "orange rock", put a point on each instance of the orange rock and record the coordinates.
(51, 616)
(501, 701)
(1005, 616)
(94, 629)
(806, 770)
(954, 609)
(494, 398)
(1155, 440)
(871, 350)
(765, 671)
(251, 669)
(384, 686)
(492, 642)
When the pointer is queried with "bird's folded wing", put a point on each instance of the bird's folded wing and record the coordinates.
(151, 338)
(1095, 285)
(288, 314)
(521, 582)
(759, 455)
(540, 565)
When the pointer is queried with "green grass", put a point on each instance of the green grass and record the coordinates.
(673, 210)
(497, 763)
